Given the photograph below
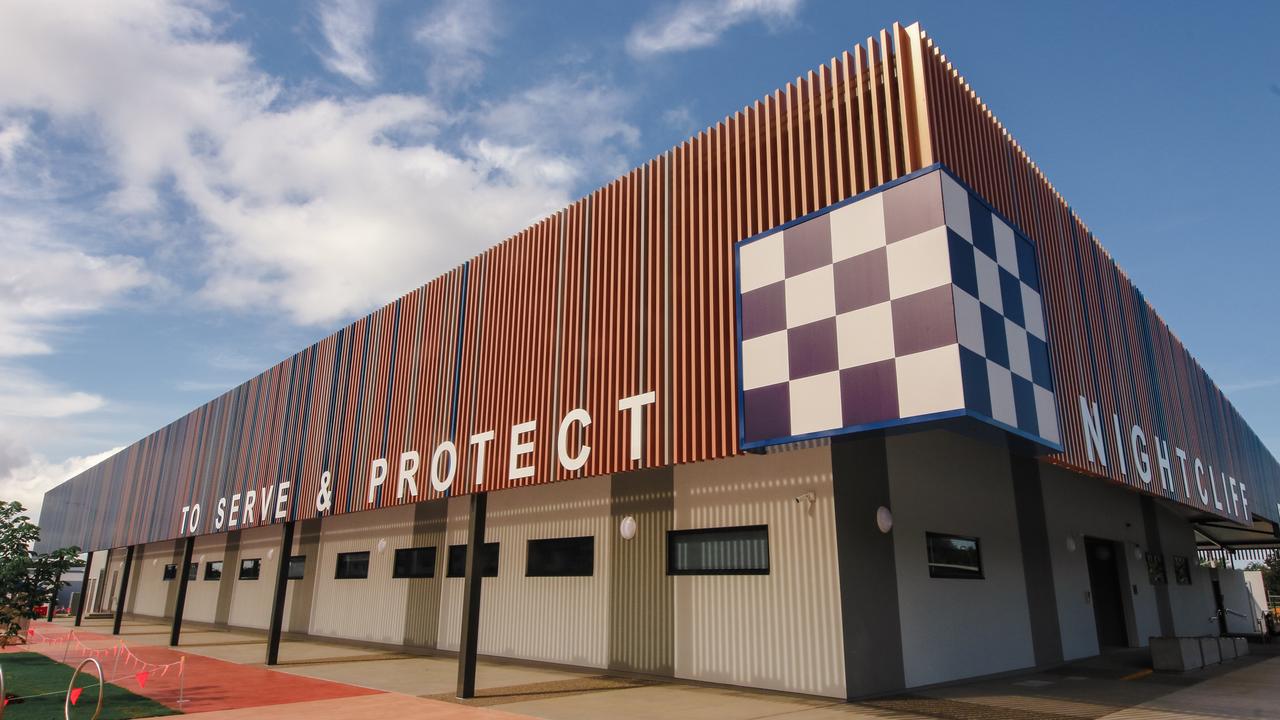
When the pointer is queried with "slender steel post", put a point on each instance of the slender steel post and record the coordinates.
(53, 599)
(282, 586)
(471, 598)
(84, 589)
(181, 604)
(124, 590)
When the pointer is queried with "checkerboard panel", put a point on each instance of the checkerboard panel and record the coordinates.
(907, 303)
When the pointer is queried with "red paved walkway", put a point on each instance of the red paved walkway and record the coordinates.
(207, 684)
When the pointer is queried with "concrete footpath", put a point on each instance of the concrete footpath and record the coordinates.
(318, 680)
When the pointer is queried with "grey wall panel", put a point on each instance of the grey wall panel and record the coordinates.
(943, 482)
(306, 543)
(868, 573)
(422, 606)
(1151, 524)
(1037, 563)
(227, 587)
(642, 613)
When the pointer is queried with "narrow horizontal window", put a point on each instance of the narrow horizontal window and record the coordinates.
(561, 557)
(213, 570)
(954, 556)
(352, 566)
(415, 563)
(297, 567)
(719, 551)
(458, 560)
(250, 568)
(170, 572)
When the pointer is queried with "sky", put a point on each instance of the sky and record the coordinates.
(192, 191)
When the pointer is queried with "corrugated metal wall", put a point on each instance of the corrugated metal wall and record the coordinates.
(630, 290)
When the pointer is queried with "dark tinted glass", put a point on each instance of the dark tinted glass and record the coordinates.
(458, 560)
(191, 570)
(561, 557)
(250, 568)
(297, 567)
(170, 572)
(954, 556)
(352, 566)
(415, 563)
(719, 551)
(213, 570)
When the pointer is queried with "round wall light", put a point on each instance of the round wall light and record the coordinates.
(382, 545)
(884, 519)
(271, 552)
(627, 528)
(1071, 544)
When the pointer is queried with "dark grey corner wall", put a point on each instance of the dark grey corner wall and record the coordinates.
(868, 571)
(227, 585)
(642, 611)
(1164, 607)
(422, 612)
(1037, 563)
(306, 543)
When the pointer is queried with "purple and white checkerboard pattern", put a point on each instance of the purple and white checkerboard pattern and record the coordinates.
(849, 319)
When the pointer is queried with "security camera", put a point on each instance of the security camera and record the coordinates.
(806, 497)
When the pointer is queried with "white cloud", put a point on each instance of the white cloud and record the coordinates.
(691, 24)
(12, 135)
(322, 207)
(348, 27)
(25, 477)
(457, 35)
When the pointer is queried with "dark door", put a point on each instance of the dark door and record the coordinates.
(1105, 587)
(1222, 611)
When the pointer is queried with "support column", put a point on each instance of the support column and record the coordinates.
(1037, 562)
(53, 600)
(84, 589)
(873, 658)
(471, 598)
(184, 571)
(124, 590)
(282, 586)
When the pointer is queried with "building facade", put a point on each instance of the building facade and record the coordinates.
(837, 397)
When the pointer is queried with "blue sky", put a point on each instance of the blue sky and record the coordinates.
(190, 192)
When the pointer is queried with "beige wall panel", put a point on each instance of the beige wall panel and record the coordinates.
(147, 596)
(781, 630)
(251, 599)
(953, 628)
(371, 609)
(202, 595)
(1192, 605)
(552, 619)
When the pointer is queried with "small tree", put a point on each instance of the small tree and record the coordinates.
(1270, 574)
(27, 578)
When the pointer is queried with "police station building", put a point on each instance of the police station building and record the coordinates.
(838, 397)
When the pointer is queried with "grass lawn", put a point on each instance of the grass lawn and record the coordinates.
(31, 674)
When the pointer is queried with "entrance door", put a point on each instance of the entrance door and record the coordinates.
(1106, 589)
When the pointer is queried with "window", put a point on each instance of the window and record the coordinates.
(719, 551)
(415, 563)
(561, 557)
(352, 566)
(213, 570)
(192, 569)
(170, 572)
(954, 556)
(1155, 569)
(297, 567)
(250, 568)
(458, 560)
(1182, 570)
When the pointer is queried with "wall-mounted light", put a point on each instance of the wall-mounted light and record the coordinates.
(1137, 551)
(884, 519)
(627, 528)
(271, 552)
(382, 545)
(1071, 544)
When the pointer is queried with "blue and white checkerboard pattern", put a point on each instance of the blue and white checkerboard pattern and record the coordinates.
(1000, 324)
